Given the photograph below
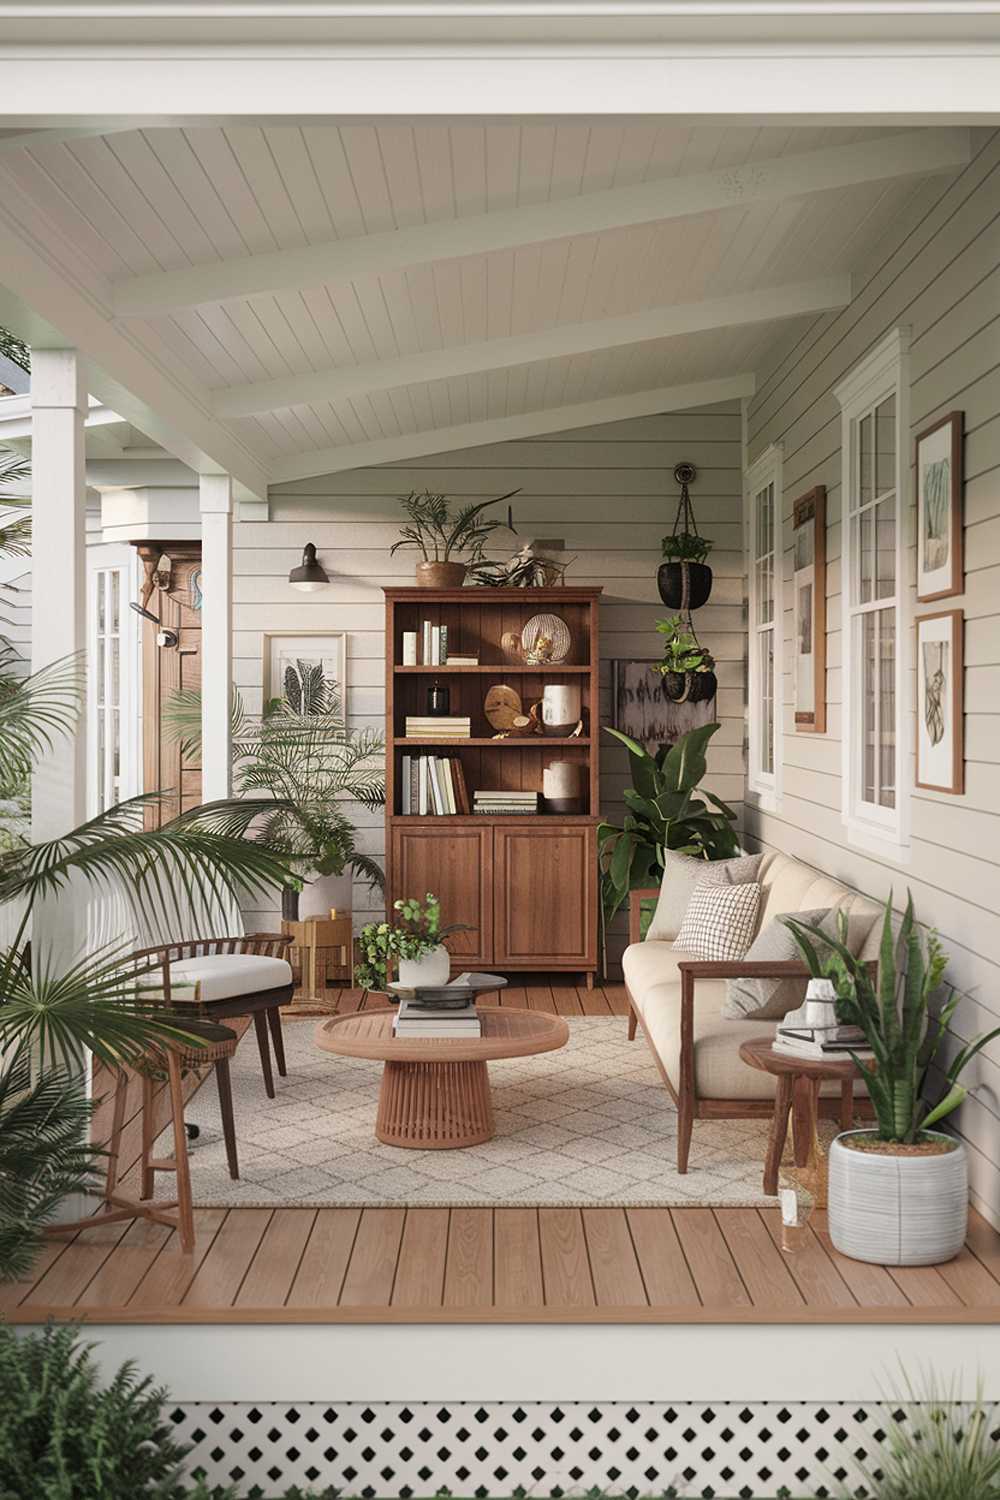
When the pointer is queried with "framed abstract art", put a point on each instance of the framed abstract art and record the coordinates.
(940, 702)
(809, 606)
(940, 568)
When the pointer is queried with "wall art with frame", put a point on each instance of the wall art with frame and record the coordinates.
(939, 458)
(291, 659)
(809, 604)
(639, 707)
(941, 702)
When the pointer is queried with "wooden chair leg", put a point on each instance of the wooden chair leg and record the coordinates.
(633, 1021)
(148, 1136)
(685, 1123)
(277, 1040)
(260, 1026)
(185, 1208)
(225, 1086)
(117, 1126)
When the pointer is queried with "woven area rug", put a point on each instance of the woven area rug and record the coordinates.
(589, 1124)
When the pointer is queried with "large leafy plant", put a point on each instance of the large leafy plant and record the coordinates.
(665, 808)
(438, 535)
(894, 1012)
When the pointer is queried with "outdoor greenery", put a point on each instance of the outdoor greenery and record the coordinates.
(665, 808)
(932, 1447)
(440, 536)
(894, 1012)
(681, 649)
(417, 931)
(686, 546)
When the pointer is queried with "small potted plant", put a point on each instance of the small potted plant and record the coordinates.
(414, 943)
(439, 536)
(898, 1192)
(687, 669)
(683, 578)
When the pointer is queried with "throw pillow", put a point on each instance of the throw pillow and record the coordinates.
(772, 999)
(720, 921)
(681, 873)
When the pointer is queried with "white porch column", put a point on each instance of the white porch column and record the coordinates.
(59, 610)
(216, 498)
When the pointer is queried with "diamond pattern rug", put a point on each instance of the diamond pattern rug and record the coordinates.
(589, 1124)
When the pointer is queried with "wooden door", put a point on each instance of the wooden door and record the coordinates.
(456, 864)
(545, 885)
(169, 669)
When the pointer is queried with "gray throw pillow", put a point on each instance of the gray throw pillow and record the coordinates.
(682, 872)
(772, 999)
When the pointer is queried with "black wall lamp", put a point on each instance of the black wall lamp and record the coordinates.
(309, 576)
(164, 637)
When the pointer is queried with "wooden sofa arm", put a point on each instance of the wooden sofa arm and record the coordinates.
(635, 900)
(741, 968)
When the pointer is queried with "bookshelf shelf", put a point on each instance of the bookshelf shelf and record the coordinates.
(529, 742)
(496, 669)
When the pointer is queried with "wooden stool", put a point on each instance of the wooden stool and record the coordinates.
(171, 1059)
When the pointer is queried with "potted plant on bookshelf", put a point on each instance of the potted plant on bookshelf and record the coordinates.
(439, 536)
(414, 944)
(898, 1193)
(687, 669)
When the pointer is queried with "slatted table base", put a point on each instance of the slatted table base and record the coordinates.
(435, 1106)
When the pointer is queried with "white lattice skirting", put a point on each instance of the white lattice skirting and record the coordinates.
(389, 1449)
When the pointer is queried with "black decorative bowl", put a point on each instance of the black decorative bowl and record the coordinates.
(670, 582)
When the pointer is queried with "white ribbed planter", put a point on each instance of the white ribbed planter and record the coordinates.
(898, 1210)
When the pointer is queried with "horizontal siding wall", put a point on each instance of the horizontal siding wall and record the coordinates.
(608, 491)
(940, 277)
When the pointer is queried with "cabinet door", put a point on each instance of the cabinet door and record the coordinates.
(457, 865)
(545, 896)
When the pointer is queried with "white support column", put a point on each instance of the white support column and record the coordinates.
(59, 612)
(216, 498)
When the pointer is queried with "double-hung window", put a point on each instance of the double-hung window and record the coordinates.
(874, 405)
(765, 565)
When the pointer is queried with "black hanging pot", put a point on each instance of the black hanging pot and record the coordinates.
(684, 585)
(689, 687)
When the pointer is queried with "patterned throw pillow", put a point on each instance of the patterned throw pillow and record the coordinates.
(720, 921)
(681, 873)
(772, 999)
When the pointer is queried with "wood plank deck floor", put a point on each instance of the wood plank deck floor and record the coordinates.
(634, 1265)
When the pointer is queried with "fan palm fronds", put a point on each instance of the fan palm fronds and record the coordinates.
(35, 712)
(438, 535)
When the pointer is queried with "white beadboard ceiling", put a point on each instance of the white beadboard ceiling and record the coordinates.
(131, 224)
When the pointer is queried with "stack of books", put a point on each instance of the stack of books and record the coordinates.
(831, 1041)
(433, 644)
(461, 661)
(446, 727)
(433, 784)
(510, 804)
(416, 1020)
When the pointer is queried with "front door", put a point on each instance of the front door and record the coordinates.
(172, 591)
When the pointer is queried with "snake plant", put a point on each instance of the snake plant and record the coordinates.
(894, 1012)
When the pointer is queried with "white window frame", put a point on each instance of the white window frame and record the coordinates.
(105, 559)
(882, 374)
(764, 787)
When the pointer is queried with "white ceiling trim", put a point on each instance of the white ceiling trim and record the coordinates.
(502, 429)
(762, 306)
(910, 153)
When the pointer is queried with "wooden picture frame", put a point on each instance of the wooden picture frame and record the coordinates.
(940, 663)
(328, 647)
(809, 611)
(939, 456)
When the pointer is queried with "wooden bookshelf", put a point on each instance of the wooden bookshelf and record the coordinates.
(526, 883)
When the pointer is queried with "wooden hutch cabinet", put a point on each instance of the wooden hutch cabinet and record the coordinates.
(526, 883)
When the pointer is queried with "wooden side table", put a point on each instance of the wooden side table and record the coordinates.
(325, 951)
(798, 1080)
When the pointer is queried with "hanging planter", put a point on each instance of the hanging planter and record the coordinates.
(687, 670)
(684, 579)
(689, 687)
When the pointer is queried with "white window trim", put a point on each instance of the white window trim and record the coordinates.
(105, 557)
(883, 373)
(763, 788)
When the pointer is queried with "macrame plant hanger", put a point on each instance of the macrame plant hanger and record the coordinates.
(684, 521)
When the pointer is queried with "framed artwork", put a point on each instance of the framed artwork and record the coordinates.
(809, 604)
(941, 702)
(940, 568)
(639, 708)
(289, 656)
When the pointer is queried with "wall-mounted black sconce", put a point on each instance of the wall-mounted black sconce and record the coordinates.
(164, 637)
(309, 576)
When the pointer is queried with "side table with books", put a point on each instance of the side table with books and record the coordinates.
(798, 1080)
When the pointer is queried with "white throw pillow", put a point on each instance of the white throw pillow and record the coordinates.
(681, 873)
(720, 921)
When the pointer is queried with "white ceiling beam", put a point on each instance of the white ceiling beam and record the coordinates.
(762, 306)
(917, 152)
(502, 429)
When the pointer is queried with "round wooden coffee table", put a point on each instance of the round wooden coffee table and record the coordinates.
(436, 1090)
(798, 1082)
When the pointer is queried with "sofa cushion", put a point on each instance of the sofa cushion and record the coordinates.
(224, 976)
(720, 921)
(771, 999)
(681, 873)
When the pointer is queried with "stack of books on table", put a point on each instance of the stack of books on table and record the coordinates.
(433, 784)
(832, 1042)
(498, 804)
(442, 727)
(416, 1020)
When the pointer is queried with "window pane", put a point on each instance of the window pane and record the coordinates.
(869, 704)
(864, 460)
(864, 540)
(100, 670)
(885, 539)
(885, 446)
(102, 800)
(766, 648)
(114, 647)
(115, 611)
(101, 580)
(887, 708)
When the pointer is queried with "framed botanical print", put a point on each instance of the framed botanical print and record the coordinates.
(940, 564)
(300, 665)
(809, 606)
(941, 702)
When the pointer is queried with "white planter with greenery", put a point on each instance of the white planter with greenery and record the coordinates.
(898, 1210)
(429, 969)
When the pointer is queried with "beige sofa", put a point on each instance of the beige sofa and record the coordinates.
(677, 1000)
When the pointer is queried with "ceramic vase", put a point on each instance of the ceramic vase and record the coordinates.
(431, 969)
(560, 708)
(325, 891)
(898, 1210)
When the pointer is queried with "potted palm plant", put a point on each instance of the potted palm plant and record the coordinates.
(439, 536)
(687, 669)
(898, 1193)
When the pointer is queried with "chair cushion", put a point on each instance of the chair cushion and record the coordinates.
(681, 873)
(720, 921)
(224, 976)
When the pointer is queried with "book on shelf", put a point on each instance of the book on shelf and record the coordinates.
(433, 784)
(460, 661)
(417, 727)
(433, 645)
